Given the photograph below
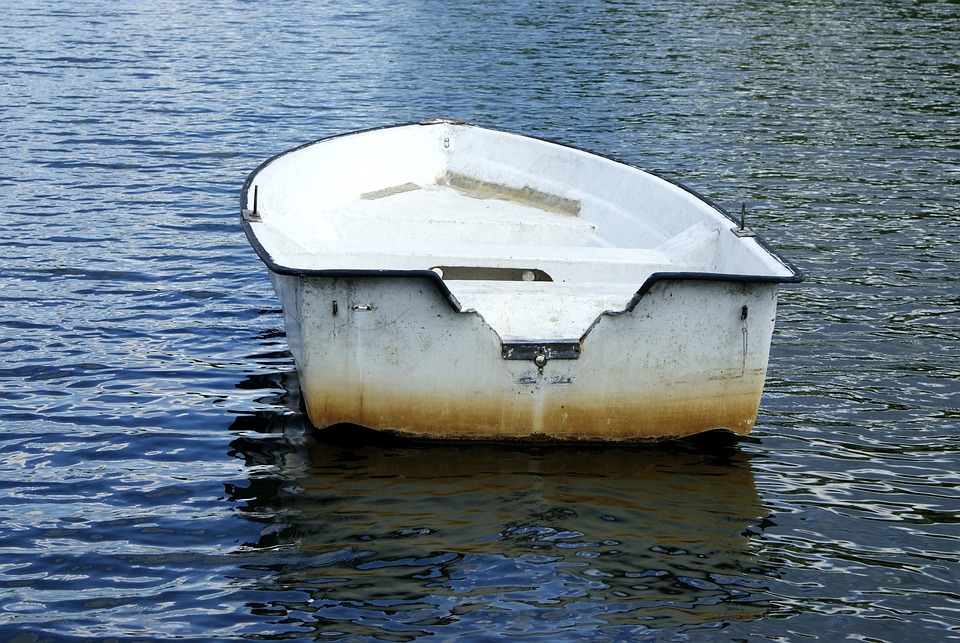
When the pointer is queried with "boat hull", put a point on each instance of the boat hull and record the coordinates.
(393, 353)
(447, 281)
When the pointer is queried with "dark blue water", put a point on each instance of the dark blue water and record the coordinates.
(159, 482)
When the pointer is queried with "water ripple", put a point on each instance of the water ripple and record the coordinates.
(158, 477)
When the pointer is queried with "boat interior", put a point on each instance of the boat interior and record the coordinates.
(537, 238)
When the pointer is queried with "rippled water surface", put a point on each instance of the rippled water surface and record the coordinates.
(159, 482)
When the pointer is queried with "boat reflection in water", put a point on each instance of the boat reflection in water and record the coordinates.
(416, 539)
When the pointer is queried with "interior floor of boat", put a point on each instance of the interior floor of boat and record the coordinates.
(442, 214)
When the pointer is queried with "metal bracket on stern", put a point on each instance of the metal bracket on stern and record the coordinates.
(540, 352)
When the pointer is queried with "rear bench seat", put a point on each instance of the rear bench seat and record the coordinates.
(603, 279)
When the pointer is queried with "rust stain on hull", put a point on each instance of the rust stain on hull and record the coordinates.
(483, 417)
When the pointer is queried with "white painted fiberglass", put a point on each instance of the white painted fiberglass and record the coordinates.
(581, 298)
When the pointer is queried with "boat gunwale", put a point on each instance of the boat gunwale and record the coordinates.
(430, 275)
(796, 275)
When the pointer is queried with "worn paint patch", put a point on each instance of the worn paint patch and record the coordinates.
(385, 192)
(531, 197)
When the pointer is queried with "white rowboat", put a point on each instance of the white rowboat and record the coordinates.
(447, 281)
